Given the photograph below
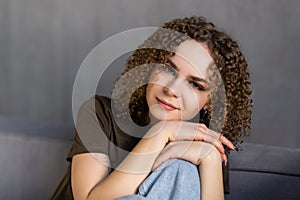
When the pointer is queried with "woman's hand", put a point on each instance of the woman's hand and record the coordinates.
(182, 131)
(192, 151)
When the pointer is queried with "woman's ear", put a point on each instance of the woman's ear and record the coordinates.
(206, 105)
(208, 102)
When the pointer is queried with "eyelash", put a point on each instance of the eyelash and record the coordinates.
(197, 86)
(170, 70)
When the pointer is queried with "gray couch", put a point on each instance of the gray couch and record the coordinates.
(32, 162)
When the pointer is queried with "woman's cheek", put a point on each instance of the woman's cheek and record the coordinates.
(191, 106)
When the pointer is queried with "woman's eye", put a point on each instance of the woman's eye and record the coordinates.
(170, 70)
(197, 86)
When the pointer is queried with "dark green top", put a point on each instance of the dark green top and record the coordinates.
(98, 131)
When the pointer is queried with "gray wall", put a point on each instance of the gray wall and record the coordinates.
(44, 42)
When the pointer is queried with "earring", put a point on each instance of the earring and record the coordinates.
(204, 117)
(204, 114)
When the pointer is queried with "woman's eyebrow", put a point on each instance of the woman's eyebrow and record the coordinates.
(194, 78)
(198, 79)
(173, 64)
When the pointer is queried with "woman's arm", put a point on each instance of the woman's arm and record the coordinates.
(86, 172)
(211, 176)
(89, 176)
(135, 167)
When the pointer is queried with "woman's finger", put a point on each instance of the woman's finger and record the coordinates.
(210, 138)
(217, 136)
(224, 158)
(227, 142)
(196, 132)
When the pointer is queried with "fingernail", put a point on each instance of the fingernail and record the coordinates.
(236, 148)
(225, 162)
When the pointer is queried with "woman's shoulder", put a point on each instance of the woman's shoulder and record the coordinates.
(98, 100)
(102, 99)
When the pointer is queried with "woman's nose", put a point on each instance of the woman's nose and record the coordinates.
(174, 88)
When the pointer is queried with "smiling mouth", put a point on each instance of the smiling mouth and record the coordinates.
(167, 106)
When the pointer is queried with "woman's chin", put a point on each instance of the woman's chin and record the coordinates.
(163, 116)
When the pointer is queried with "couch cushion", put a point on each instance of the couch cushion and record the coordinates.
(32, 157)
(264, 172)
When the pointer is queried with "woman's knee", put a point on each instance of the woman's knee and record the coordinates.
(182, 166)
(174, 177)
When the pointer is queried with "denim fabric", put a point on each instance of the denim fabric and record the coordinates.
(175, 179)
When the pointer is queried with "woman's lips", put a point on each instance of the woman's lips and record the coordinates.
(167, 106)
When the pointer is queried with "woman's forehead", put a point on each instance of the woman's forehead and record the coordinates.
(196, 54)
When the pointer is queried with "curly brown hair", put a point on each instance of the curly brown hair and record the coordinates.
(228, 59)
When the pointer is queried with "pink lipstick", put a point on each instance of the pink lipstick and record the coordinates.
(167, 106)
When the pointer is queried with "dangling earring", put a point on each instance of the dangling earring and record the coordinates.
(204, 117)
(205, 112)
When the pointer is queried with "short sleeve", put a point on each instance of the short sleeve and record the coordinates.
(93, 127)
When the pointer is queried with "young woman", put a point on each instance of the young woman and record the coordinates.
(181, 104)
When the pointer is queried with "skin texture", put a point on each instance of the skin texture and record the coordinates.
(172, 92)
(171, 136)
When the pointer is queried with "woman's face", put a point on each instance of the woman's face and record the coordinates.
(179, 91)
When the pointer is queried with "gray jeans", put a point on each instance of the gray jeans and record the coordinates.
(175, 179)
